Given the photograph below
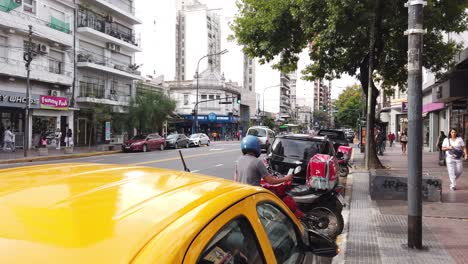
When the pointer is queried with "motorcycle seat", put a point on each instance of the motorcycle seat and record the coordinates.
(301, 190)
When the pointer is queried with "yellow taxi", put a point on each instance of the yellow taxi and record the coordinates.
(94, 213)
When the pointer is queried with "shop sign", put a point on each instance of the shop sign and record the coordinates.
(108, 131)
(12, 99)
(212, 117)
(404, 107)
(54, 103)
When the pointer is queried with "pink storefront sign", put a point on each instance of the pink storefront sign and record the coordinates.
(54, 103)
(432, 107)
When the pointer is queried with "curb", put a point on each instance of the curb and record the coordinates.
(59, 157)
(342, 239)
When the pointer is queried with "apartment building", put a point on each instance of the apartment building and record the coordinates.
(51, 23)
(285, 95)
(198, 33)
(106, 69)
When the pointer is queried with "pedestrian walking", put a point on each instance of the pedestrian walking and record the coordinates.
(69, 138)
(440, 140)
(8, 140)
(454, 148)
(403, 141)
(58, 137)
(391, 138)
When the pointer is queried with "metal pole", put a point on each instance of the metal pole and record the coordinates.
(28, 58)
(415, 43)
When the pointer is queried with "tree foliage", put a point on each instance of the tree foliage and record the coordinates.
(269, 122)
(338, 36)
(320, 117)
(149, 110)
(349, 106)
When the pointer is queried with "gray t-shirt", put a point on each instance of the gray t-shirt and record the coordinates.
(250, 170)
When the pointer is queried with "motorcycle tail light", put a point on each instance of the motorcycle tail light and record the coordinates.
(339, 189)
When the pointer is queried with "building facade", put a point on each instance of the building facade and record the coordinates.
(198, 33)
(218, 110)
(51, 69)
(106, 69)
(249, 97)
(285, 96)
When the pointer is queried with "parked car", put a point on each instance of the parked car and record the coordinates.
(199, 139)
(289, 151)
(264, 134)
(349, 134)
(336, 136)
(82, 213)
(144, 143)
(177, 141)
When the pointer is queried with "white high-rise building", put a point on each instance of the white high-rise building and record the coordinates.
(198, 33)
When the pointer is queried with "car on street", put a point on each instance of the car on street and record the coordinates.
(144, 143)
(101, 213)
(177, 141)
(349, 134)
(338, 137)
(264, 134)
(289, 151)
(199, 139)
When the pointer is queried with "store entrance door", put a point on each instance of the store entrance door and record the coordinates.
(81, 131)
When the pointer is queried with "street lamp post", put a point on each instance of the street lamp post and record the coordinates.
(195, 114)
(263, 98)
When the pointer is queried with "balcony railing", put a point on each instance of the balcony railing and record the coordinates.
(59, 25)
(8, 5)
(52, 66)
(101, 60)
(92, 90)
(87, 18)
(123, 4)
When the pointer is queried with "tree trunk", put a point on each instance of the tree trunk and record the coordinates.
(366, 78)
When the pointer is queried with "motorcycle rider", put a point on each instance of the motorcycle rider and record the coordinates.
(249, 169)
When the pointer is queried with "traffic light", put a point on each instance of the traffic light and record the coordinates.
(239, 99)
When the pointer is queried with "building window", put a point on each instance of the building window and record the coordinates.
(3, 48)
(186, 99)
(218, 97)
(55, 62)
(250, 70)
(250, 87)
(250, 79)
(29, 6)
(203, 97)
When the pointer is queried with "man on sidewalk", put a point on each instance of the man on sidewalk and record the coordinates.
(8, 139)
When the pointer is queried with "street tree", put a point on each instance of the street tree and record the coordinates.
(149, 110)
(320, 117)
(349, 106)
(346, 36)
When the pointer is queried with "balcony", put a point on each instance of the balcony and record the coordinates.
(91, 61)
(121, 8)
(49, 71)
(53, 30)
(96, 93)
(99, 28)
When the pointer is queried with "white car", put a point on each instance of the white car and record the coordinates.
(199, 139)
(264, 135)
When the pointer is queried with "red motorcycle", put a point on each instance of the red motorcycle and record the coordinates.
(317, 207)
(344, 155)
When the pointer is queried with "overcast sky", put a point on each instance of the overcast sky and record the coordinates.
(158, 57)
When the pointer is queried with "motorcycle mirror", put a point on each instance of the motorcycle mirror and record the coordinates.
(297, 170)
(321, 245)
(339, 155)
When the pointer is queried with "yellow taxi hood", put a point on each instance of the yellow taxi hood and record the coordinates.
(93, 213)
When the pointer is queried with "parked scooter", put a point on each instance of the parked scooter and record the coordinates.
(317, 209)
(344, 155)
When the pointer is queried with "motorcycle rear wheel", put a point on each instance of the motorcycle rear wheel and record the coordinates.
(344, 170)
(324, 220)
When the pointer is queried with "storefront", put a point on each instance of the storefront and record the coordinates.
(47, 114)
(225, 126)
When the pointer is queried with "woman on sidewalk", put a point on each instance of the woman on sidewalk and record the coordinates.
(454, 148)
(403, 141)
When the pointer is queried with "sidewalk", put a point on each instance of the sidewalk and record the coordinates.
(377, 230)
(54, 154)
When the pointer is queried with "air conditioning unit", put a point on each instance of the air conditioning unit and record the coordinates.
(113, 47)
(43, 49)
(53, 93)
(109, 18)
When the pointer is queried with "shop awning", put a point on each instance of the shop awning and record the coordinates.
(432, 107)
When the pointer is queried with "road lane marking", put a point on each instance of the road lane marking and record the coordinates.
(216, 149)
(99, 160)
(194, 171)
(185, 157)
(219, 165)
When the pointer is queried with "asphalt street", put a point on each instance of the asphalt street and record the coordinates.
(218, 159)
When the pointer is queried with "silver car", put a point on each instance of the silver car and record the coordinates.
(264, 134)
(199, 139)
